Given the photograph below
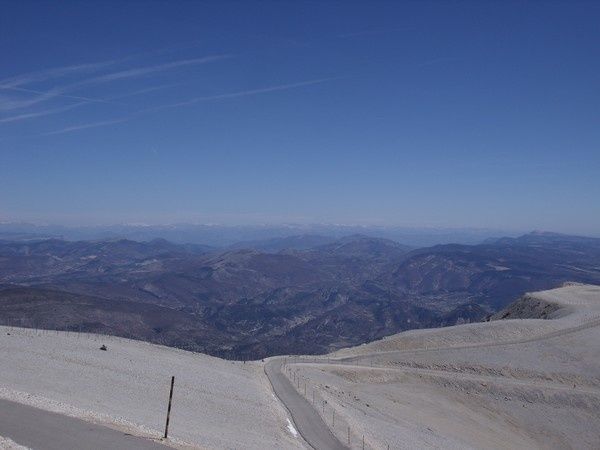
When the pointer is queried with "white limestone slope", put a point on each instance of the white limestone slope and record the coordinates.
(579, 305)
(217, 404)
(9, 444)
(524, 383)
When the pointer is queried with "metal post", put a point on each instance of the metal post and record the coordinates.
(348, 435)
(169, 408)
(333, 424)
(363, 442)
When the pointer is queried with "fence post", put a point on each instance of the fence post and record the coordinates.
(169, 407)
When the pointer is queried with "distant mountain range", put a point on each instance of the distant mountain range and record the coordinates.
(295, 294)
(249, 235)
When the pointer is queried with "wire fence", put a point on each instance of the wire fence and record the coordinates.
(322, 398)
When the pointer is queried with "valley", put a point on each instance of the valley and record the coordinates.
(530, 382)
(241, 303)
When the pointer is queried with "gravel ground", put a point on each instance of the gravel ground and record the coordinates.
(522, 383)
(7, 444)
(507, 384)
(216, 403)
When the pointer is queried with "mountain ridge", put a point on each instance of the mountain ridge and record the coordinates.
(353, 290)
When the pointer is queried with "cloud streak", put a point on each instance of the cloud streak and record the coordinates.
(145, 91)
(9, 104)
(143, 71)
(47, 95)
(280, 87)
(16, 83)
(46, 112)
(56, 72)
(89, 125)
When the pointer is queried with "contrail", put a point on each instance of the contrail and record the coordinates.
(40, 113)
(281, 87)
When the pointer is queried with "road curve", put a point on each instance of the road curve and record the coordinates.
(43, 430)
(306, 419)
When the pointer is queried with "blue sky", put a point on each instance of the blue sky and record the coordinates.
(482, 114)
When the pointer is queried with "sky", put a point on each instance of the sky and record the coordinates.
(450, 114)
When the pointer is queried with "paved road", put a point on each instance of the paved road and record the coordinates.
(43, 430)
(319, 436)
(306, 419)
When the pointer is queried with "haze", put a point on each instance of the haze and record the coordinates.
(402, 113)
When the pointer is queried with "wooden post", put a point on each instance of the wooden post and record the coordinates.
(363, 442)
(348, 435)
(169, 408)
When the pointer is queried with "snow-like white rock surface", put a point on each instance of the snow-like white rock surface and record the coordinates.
(522, 383)
(8, 444)
(217, 404)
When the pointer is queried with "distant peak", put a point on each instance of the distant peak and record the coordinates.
(544, 233)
